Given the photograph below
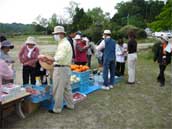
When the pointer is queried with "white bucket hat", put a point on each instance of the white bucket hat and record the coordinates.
(77, 37)
(59, 29)
(85, 39)
(107, 32)
(31, 40)
(165, 38)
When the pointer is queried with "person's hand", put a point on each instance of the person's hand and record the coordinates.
(50, 62)
(25, 63)
(41, 56)
(86, 46)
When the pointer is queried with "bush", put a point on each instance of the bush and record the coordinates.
(140, 33)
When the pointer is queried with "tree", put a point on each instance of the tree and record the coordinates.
(164, 19)
(96, 15)
(80, 20)
(40, 25)
(71, 10)
(137, 12)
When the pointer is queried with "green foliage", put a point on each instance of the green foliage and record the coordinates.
(95, 31)
(164, 19)
(131, 15)
(140, 33)
(137, 21)
(16, 28)
(52, 22)
(137, 12)
(80, 20)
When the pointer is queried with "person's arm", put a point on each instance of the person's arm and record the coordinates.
(6, 71)
(101, 46)
(93, 47)
(81, 49)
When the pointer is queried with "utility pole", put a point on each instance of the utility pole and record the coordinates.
(128, 19)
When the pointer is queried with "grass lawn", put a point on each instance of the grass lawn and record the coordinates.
(144, 105)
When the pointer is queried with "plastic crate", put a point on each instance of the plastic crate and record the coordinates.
(75, 85)
(91, 82)
(84, 76)
(49, 104)
(44, 95)
(84, 86)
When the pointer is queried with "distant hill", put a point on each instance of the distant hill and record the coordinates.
(16, 28)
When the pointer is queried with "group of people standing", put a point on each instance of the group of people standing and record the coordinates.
(28, 56)
(78, 49)
(114, 58)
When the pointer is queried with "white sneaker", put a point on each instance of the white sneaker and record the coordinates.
(105, 88)
(110, 86)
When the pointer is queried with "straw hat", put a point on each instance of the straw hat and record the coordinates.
(44, 64)
(107, 32)
(31, 40)
(59, 29)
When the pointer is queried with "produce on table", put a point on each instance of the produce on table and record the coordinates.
(77, 97)
(74, 79)
(32, 91)
(79, 68)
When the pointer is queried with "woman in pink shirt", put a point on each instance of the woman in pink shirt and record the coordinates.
(28, 56)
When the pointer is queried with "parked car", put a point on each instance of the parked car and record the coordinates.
(160, 34)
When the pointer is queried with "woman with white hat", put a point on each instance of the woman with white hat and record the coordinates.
(81, 50)
(28, 56)
(163, 58)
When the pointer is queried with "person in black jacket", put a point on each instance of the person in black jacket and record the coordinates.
(163, 58)
(70, 37)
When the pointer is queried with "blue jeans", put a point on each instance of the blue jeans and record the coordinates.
(109, 66)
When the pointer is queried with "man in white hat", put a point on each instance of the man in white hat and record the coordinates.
(163, 58)
(109, 46)
(62, 90)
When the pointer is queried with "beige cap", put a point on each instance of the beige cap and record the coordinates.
(59, 29)
(31, 40)
(107, 32)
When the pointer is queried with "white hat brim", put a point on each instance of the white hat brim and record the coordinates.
(58, 32)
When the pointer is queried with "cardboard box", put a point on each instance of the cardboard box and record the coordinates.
(29, 107)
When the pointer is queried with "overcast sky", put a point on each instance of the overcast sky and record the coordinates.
(25, 11)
